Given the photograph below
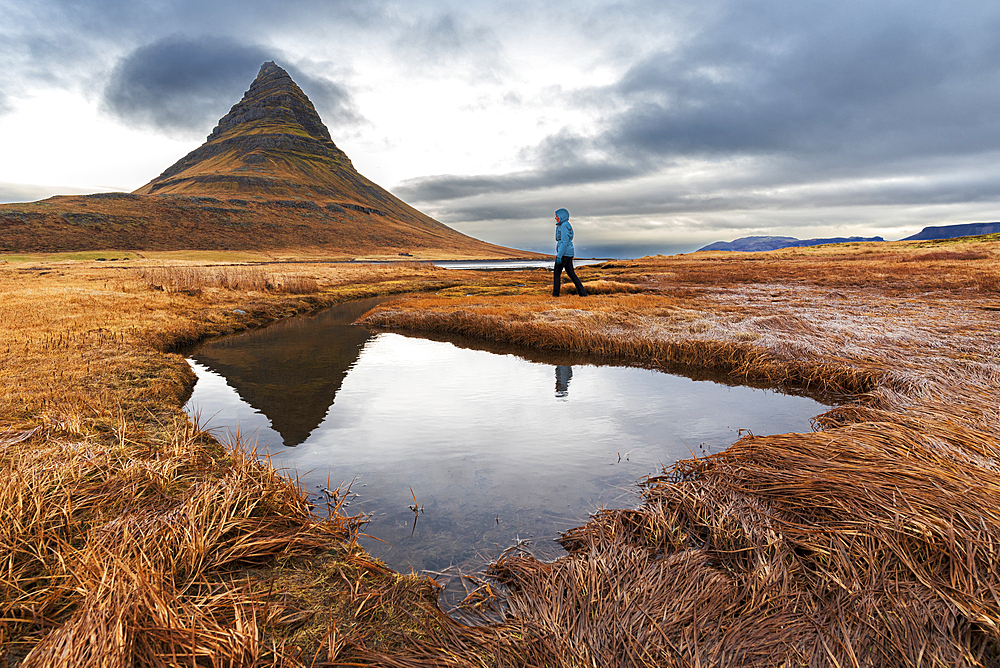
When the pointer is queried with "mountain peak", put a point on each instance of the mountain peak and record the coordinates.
(275, 102)
(272, 142)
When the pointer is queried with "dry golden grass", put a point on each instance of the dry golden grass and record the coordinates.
(602, 287)
(119, 556)
(86, 338)
(265, 278)
(909, 268)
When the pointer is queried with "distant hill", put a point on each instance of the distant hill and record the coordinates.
(268, 178)
(756, 244)
(952, 231)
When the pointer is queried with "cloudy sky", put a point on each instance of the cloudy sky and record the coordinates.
(662, 125)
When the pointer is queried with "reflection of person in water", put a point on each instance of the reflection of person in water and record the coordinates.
(563, 376)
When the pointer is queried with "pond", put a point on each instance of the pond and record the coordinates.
(500, 265)
(498, 446)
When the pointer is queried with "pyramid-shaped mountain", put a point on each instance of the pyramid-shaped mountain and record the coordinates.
(271, 144)
(268, 178)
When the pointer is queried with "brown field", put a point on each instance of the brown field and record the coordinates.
(132, 537)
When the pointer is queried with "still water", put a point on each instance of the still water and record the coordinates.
(500, 265)
(498, 446)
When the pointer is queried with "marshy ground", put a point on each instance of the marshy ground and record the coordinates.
(133, 538)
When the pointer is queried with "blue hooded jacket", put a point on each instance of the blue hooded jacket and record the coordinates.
(564, 235)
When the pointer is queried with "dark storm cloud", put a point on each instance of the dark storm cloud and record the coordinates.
(666, 198)
(440, 188)
(858, 84)
(850, 84)
(537, 206)
(182, 84)
(332, 100)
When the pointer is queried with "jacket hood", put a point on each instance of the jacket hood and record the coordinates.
(562, 214)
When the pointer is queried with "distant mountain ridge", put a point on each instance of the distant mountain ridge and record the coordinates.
(268, 178)
(764, 243)
(930, 233)
(951, 231)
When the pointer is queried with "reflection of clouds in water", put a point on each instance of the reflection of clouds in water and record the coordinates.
(383, 350)
(645, 408)
(412, 396)
(221, 410)
(449, 417)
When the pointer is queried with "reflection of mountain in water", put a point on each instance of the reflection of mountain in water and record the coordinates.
(291, 371)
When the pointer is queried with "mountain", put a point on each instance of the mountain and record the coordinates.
(751, 244)
(952, 231)
(268, 178)
(756, 244)
(272, 144)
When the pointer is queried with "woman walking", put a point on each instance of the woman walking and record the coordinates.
(564, 254)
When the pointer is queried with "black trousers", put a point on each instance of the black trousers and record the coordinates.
(567, 264)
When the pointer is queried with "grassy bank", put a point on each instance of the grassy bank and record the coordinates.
(134, 538)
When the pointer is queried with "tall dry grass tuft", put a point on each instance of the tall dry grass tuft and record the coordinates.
(127, 535)
(604, 287)
(193, 280)
(123, 556)
(294, 284)
(864, 545)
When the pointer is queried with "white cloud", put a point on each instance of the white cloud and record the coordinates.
(55, 136)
